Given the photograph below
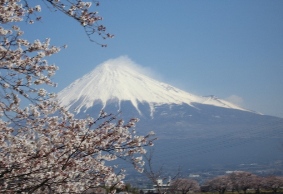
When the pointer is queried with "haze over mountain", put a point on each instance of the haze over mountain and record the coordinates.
(193, 131)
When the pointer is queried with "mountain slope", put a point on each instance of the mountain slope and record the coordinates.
(117, 81)
(193, 131)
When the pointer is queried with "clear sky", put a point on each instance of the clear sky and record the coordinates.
(232, 49)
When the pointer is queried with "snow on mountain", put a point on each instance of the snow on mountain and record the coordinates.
(118, 80)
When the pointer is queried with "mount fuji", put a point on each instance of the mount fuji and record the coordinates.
(194, 132)
(117, 81)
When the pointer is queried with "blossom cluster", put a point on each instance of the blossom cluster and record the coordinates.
(81, 11)
(50, 152)
(43, 147)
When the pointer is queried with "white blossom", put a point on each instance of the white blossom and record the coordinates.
(5, 85)
(37, 8)
(49, 145)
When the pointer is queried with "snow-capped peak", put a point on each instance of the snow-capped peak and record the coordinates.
(121, 80)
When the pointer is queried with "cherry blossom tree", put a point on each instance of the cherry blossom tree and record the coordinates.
(43, 147)
(257, 183)
(241, 180)
(219, 184)
(184, 186)
(273, 183)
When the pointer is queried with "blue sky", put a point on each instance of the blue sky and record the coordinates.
(232, 49)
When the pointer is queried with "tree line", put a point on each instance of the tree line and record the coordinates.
(241, 181)
(238, 182)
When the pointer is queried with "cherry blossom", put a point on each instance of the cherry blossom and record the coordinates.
(43, 147)
(185, 186)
